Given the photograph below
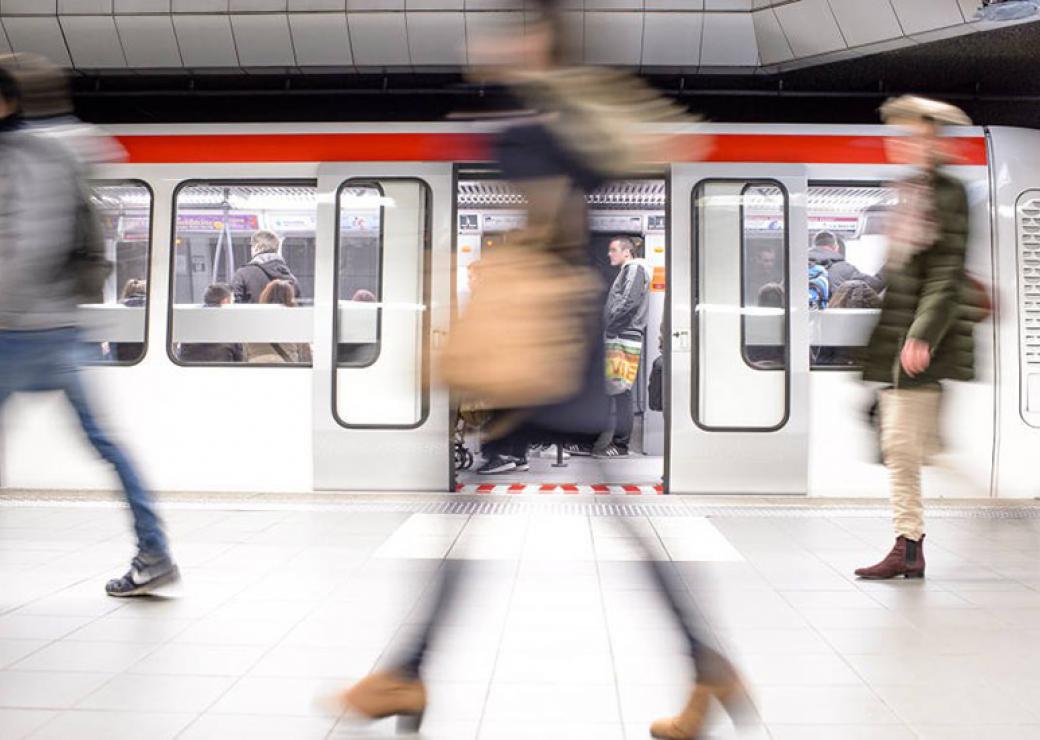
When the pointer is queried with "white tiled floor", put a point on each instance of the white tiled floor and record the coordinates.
(557, 635)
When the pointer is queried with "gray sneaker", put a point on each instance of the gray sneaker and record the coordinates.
(147, 573)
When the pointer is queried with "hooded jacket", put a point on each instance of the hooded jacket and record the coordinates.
(628, 301)
(251, 278)
(838, 270)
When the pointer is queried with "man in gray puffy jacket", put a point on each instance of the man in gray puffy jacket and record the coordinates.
(52, 260)
(625, 316)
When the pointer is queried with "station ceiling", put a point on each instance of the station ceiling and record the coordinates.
(731, 37)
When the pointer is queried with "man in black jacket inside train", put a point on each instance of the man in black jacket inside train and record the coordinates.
(266, 265)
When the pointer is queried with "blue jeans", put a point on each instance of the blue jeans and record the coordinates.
(49, 360)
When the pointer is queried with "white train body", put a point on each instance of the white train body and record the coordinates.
(405, 208)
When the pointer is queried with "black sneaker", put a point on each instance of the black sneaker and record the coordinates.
(147, 573)
(578, 450)
(610, 452)
(522, 465)
(497, 464)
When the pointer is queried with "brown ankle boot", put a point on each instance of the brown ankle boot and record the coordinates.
(687, 725)
(387, 694)
(905, 559)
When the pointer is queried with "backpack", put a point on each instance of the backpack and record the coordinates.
(655, 395)
(87, 263)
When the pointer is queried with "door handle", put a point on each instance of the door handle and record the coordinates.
(682, 339)
(439, 338)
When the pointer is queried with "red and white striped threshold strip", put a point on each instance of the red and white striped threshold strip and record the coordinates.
(613, 489)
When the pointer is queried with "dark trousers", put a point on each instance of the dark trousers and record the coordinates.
(49, 361)
(706, 662)
(622, 419)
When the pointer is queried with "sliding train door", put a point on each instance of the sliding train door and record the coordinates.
(382, 307)
(737, 407)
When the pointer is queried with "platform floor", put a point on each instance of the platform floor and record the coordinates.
(559, 636)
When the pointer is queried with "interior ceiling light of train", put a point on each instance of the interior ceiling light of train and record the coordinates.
(626, 194)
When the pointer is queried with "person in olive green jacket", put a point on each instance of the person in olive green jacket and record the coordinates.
(924, 333)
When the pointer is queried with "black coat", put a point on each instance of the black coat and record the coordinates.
(211, 352)
(530, 152)
(250, 279)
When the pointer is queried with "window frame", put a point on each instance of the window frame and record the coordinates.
(427, 297)
(743, 283)
(695, 283)
(149, 262)
(218, 181)
(336, 282)
(825, 183)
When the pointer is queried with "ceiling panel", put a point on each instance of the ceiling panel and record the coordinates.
(28, 7)
(672, 39)
(378, 39)
(943, 33)
(200, 6)
(205, 40)
(257, 6)
(866, 21)
(772, 44)
(387, 5)
(728, 5)
(263, 40)
(41, 35)
(483, 28)
(317, 5)
(434, 4)
(149, 41)
(917, 16)
(613, 5)
(489, 4)
(810, 27)
(321, 39)
(729, 40)
(82, 7)
(437, 38)
(141, 6)
(683, 5)
(613, 38)
(93, 42)
(968, 8)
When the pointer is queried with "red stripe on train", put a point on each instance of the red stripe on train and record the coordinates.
(414, 147)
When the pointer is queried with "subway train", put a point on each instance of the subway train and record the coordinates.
(380, 225)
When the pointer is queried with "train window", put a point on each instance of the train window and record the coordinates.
(116, 327)
(847, 247)
(382, 303)
(741, 307)
(243, 253)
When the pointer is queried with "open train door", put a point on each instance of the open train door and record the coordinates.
(739, 360)
(382, 306)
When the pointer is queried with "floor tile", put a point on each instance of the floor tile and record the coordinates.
(18, 723)
(199, 660)
(71, 655)
(90, 725)
(174, 694)
(225, 726)
(47, 689)
(525, 702)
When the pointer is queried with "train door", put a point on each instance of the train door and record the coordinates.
(737, 405)
(382, 306)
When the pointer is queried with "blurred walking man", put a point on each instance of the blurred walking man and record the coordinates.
(51, 260)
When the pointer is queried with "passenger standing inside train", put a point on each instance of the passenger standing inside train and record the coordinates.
(625, 316)
(266, 265)
(924, 333)
(217, 295)
(828, 251)
(53, 259)
(585, 135)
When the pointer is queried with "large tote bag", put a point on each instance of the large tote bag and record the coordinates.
(522, 339)
(623, 355)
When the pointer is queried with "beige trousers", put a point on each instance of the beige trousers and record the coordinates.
(909, 436)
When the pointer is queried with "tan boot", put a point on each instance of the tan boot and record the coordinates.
(387, 694)
(689, 724)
